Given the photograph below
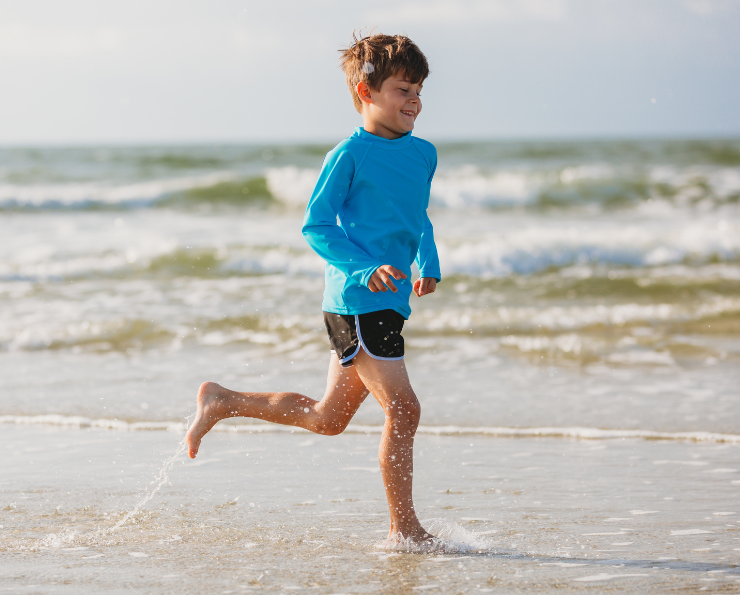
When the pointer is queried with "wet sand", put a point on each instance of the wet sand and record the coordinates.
(276, 512)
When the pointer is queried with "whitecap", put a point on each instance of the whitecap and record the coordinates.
(80, 194)
(469, 187)
(291, 185)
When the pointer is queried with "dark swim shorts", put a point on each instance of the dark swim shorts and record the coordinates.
(378, 333)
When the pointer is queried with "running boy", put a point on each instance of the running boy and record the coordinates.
(367, 218)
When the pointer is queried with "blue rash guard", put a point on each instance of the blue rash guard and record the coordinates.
(369, 208)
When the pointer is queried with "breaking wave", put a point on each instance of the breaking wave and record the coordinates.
(80, 195)
(589, 186)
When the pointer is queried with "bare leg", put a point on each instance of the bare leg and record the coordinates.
(345, 392)
(389, 383)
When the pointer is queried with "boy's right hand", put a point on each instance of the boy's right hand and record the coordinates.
(382, 278)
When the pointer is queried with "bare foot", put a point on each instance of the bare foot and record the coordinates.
(417, 536)
(419, 542)
(212, 407)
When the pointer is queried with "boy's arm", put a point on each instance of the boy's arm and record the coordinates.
(320, 227)
(427, 260)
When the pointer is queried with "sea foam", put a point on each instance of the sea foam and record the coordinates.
(534, 247)
(81, 194)
(75, 421)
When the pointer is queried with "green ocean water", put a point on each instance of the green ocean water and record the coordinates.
(577, 369)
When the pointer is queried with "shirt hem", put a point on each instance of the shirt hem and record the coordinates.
(355, 311)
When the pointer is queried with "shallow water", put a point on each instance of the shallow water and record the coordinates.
(577, 369)
(276, 511)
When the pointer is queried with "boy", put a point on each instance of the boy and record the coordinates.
(367, 218)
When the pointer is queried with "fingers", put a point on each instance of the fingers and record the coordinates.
(387, 280)
(424, 286)
(394, 272)
(376, 282)
(382, 279)
(388, 273)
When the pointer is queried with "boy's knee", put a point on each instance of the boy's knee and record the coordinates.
(331, 427)
(415, 414)
(406, 412)
(329, 423)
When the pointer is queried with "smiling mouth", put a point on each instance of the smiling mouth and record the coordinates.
(407, 113)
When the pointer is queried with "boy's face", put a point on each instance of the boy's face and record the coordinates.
(391, 111)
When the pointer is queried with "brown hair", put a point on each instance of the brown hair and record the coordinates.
(374, 58)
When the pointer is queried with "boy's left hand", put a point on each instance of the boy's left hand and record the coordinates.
(424, 286)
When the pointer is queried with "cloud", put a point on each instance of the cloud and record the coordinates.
(469, 11)
(21, 40)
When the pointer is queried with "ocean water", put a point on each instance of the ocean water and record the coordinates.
(577, 369)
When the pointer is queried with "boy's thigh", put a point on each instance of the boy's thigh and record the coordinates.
(387, 380)
(345, 390)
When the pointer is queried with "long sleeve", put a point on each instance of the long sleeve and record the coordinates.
(320, 227)
(426, 258)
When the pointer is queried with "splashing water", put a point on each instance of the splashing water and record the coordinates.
(162, 479)
(450, 538)
(57, 540)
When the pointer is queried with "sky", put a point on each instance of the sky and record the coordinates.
(195, 71)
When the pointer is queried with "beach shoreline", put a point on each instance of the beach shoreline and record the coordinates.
(536, 512)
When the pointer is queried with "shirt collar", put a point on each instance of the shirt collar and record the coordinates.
(384, 143)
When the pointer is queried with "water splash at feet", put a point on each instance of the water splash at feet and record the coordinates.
(450, 538)
(56, 540)
(161, 480)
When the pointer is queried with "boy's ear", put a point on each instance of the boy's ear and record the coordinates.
(363, 92)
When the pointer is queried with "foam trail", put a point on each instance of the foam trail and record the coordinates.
(78, 421)
(579, 433)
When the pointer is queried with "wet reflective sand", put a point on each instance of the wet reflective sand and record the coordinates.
(280, 512)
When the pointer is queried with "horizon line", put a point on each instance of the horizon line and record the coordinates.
(545, 138)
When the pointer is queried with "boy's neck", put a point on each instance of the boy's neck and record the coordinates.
(377, 129)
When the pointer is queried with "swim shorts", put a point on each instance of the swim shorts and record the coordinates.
(378, 333)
